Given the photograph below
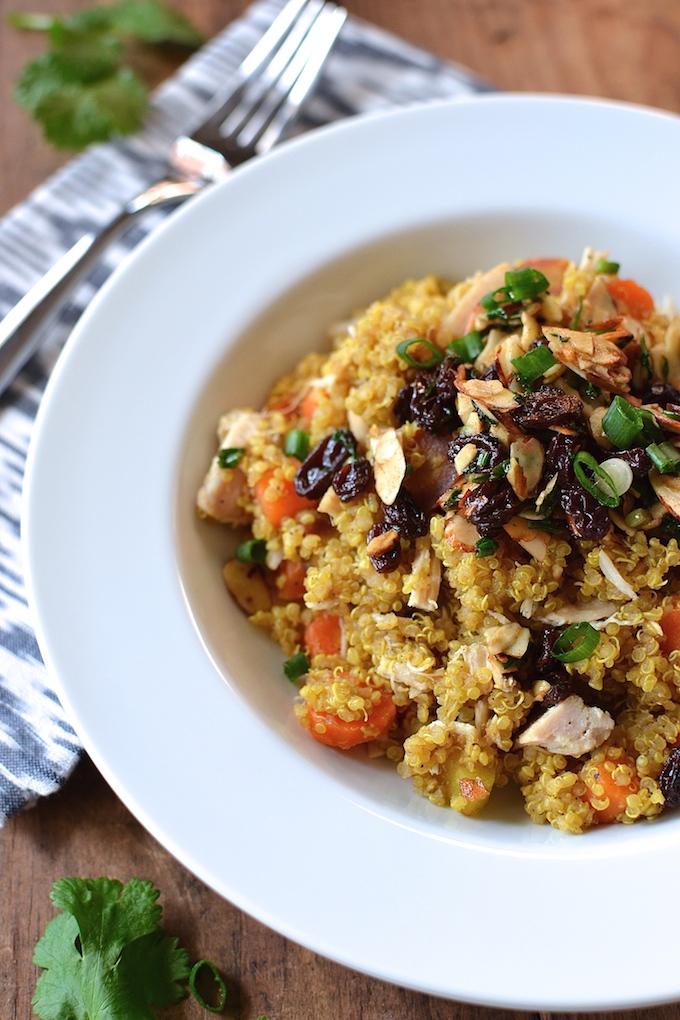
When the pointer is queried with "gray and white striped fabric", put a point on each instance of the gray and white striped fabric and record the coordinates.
(369, 70)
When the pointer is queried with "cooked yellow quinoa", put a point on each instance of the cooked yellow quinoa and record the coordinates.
(461, 525)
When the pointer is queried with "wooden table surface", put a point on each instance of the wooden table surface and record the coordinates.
(621, 49)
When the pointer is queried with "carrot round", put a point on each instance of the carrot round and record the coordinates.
(630, 297)
(278, 499)
(618, 779)
(290, 580)
(330, 729)
(670, 625)
(323, 635)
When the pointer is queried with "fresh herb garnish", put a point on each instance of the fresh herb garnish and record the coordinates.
(626, 426)
(253, 550)
(296, 444)
(485, 546)
(468, 347)
(105, 955)
(82, 90)
(604, 266)
(534, 363)
(665, 458)
(595, 479)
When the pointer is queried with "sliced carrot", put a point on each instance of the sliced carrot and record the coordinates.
(323, 634)
(309, 403)
(630, 297)
(279, 500)
(290, 580)
(330, 729)
(618, 779)
(670, 625)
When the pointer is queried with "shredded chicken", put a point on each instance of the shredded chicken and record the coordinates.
(571, 727)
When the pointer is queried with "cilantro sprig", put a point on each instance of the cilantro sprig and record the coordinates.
(82, 90)
(105, 956)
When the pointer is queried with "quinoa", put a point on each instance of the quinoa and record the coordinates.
(489, 597)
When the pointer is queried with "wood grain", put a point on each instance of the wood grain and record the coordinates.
(614, 48)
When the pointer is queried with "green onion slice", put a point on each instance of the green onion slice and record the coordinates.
(436, 356)
(525, 284)
(219, 982)
(637, 517)
(253, 550)
(626, 426)
(602, 487)
(534, 363)
(230, 456)
(296, 444)
(485, 546)
(468, 347)
(576, 642)
(665, 457)
(603, 266)
(296, 666)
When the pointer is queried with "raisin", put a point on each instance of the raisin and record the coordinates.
(637, 459)
(661, 393)
(430, 400)
(585, 516)
(316, 473)
(485, 444)
(549, 406)
(490, 505)
(389, 558)
(406, 517)
(669, 779)
(352, 478)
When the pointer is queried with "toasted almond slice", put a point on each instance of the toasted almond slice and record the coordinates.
(460, 533)
(508, 639)
(382, 543)
(389, 467)
(490, 392)
(593, 356)
(526, 465)
(667, 488)
(465, 457)
(247, 586)
(535, 542)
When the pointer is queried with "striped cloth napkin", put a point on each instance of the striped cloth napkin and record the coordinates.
(369, 70)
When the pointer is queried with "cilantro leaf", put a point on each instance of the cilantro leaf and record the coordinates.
(75, 114)
(154, 22)
(105, 957)
(81, 91)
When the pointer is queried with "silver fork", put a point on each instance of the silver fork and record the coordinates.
(246, 118)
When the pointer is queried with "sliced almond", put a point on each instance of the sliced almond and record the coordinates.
(595, 357)
(490, 392)
(460, 533)
(389, 467)
(508, 639)
(534, 542)
(247, 586)
(667, 488)
(465, 457)
(526, 465)
(382, 543)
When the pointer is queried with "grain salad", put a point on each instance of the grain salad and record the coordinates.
(461, 524)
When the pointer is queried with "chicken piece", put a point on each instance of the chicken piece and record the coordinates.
(570, 727)
(222, 488)
(461, 319)
(425, 580)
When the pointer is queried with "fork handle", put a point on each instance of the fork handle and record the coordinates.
(26, 324)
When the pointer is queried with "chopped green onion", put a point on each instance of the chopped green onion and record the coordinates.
(296, 666)
(525, 284)
(452, 499)
(542, 525)
(436, 356)
(626, 426)
(230, 456)
(501, 470)
(483, 459)
(485, 547)
(219, 982)
(637, 518)
(254, 550)
(602, 487)
(603, 266)
(576, 642)
(665, 457)
(534, 364)
(296, 444)
(468, 347)
(672, 414)
(577, 317)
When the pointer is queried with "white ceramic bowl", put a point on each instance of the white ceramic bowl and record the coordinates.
(180, 703)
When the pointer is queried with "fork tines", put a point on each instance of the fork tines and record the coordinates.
(253, 109)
